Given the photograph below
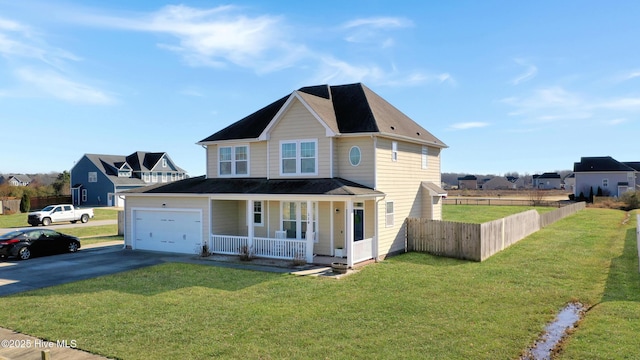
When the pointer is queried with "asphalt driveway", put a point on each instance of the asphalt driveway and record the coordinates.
(18, 276)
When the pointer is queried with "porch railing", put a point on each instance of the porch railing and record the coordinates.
(287, 249)
(362, 250)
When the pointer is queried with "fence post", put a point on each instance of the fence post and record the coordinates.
(638, 238)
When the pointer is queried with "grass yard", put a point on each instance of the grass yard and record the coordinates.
(20, 219)
(407, 307)
(478, 214)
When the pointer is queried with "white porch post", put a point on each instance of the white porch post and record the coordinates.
(250, 225)
(310, 239)
(349, 229)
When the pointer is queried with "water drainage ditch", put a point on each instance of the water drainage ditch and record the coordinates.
(555, 332)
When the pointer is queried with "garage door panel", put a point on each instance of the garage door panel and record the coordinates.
(171, 231)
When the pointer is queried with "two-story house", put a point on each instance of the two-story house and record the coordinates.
(322, 171)
(613, 177)
(547, 181)
(468, 182)
(98, 180)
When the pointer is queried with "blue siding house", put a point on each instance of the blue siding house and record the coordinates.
(97, 179)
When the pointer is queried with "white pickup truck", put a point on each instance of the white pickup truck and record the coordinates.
(59, 213)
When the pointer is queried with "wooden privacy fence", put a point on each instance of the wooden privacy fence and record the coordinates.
(478, 242)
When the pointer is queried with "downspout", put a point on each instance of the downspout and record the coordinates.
(377, 233)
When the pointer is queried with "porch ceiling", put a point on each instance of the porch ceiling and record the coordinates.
(202, 185)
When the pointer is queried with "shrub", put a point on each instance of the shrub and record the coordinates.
(246, 253)
(631, 199)
(25, 203)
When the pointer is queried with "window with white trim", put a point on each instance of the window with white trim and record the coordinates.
(146, 177)
(425, 157)
(93, 176)
(389, 219)
(84, 195)
(257, 213)
(294, 219)
(233, 160)
(299, 157)
(394, 151)
(354, 156)
(605, 183)
(164, 162)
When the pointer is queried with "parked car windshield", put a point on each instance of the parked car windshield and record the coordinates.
(11, 235)
(48, 208)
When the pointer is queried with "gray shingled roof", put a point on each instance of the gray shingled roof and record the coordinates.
(202, 185)
(602, 163)
(345, 109)
(138, 161)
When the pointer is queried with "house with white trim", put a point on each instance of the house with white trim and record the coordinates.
(613, 177)
(322, 172)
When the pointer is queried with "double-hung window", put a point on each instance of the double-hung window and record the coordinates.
(257, 213)
(425, 157)
(299, 157)
(389, 218)
(93, 176)
(233, 160)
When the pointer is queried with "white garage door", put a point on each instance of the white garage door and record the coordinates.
(170, 230)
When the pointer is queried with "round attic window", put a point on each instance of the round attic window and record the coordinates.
(354, 156)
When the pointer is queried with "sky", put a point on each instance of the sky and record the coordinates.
(509, 86)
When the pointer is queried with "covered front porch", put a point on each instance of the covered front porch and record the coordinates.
(311, 229)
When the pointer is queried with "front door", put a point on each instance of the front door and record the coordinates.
(358, 222)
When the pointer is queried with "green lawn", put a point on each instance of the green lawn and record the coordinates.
(478, 214)
(20, 219)
(407, 307)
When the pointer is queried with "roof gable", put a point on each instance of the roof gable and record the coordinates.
(600, 164)
(318, 104)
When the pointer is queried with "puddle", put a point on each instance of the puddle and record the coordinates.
(555, 332)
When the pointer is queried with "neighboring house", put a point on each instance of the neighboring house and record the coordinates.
(468, 182)
(18, 180)
(98, 180)
(547, 181)
(613, 177)
(498, 183)
(324, 170)
(570, 182)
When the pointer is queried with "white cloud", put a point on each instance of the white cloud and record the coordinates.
(468, 125)
(335, 71)
(617, 121)
(58, 86)
(530, 72)
(374, 30)
(214, 37)
(379, 23)
(621, 104)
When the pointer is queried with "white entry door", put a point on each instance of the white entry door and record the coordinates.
(178, 231)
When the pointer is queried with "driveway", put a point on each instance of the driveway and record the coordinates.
(17, 276)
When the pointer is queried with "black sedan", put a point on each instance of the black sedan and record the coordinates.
(29, 242)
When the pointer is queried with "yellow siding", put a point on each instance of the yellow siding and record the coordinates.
(364, 173)
(156, 202)
(401, 182)
(212, 161)
(323, 246)
(257, 159)
(339, 224)
(224, 221)
(298, 123)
